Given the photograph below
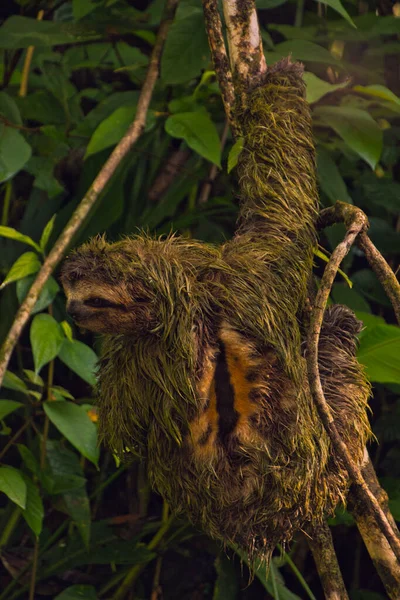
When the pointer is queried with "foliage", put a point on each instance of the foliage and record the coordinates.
(88, 519)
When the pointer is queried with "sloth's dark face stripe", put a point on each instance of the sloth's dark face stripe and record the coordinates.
(227, 415)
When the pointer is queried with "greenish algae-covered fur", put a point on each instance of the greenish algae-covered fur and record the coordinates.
(202, 371)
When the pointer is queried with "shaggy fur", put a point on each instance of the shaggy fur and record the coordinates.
(202, 369)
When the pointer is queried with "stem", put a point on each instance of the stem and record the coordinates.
(296, 571)
(7, 201)
(298, 20)
(98, 185)
(10, 526)
(23, 90)
(14, 438)
(34, 570)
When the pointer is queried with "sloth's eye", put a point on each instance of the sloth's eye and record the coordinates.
(99, 303)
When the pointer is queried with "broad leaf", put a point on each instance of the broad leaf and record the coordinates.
(186, 50)
(379, 352)
(14, 151)
(13, 485)
(80, 358)
(46, 297)
(78, 507)
(338, 6)
(198, 131)
(318, 88)
(75, 425)
(234, 154)
(25, 265)
(9, 108)
(34, 511)
(46, 340)
(13, 234)
(11, 381)
(357, 128)
(47, 233)
(22, 32)
(78, 592)
(64, 472)
(301, 50)
(226, 585)
(330, 179)
(111, 130)
(7, 407)
(377, 91)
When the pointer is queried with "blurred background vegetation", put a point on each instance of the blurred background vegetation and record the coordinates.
(73, 523)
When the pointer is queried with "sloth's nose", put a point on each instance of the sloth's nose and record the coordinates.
(74, 309)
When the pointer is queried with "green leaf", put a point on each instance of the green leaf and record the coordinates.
(80, 358)
(78, 592)
(29, 459)
(301, 50)
(63, 472)
(66, 327)
(46, 297)
(234, 153)
(357, 128)
(111, 130)
(186, 50)
(34, 511)
(47, 233)
(13, 234)
(342, 294)
(9, 109)
(8, 406)
(379, 352)
(13, 485)
(78, 507)
(377, 91)
(11, 381)
(369, 321)
(22, 32)
(198, 131)
(318, 88)
(330, 179)
(226, 585)
(46, 340)
(14, 151)
(34, 377)
(81, 8)
(75, 425)
(338, 6)
(26, 264)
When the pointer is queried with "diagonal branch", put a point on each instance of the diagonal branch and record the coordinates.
(356, 222)
(98, 185)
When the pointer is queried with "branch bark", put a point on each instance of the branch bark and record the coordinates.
(94, 191)
(321, 545)
(356, 222)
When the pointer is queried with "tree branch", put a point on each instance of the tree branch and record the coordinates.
(220, 60)
(321, 544)
(356, 222)
(94, 191)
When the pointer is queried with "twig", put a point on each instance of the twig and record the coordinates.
(34, 570)
(170, 169)
(355, 221)
(207, 186)
(344, 213)
(23, 89)
(323, 551)
(220, 60)
(245, 45)
(92, 194)
(382, 270)
(377, 545)
(14, 438)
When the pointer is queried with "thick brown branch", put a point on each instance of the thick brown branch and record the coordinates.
(321, 545)
(356, 222)
(245, 46)
(220, 60)
(377, 545)
(93, 193)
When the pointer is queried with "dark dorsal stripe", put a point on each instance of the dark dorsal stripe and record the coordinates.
(224, 392)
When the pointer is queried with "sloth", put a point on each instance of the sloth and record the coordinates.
(202, 371)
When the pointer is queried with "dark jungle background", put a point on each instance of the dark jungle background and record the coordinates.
(72, 521)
